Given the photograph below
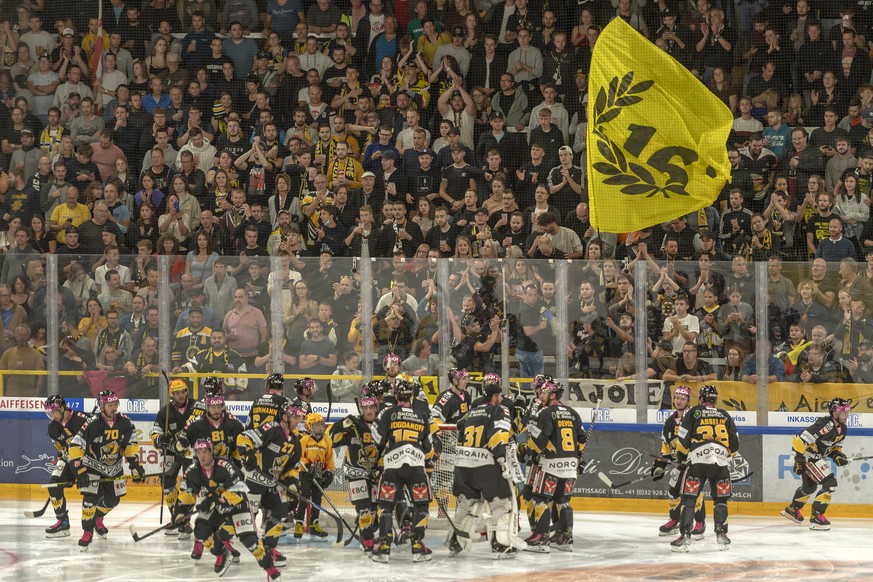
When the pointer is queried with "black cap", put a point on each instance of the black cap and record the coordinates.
(26, 131)
(496, 115)
(265, 55)
(705, 233)
(454, 131)
(426, 152)
(109, 227)
(458, 31)
(196, 309)
(253, 78)
(71, 229)
(389, 155)
(665, 345)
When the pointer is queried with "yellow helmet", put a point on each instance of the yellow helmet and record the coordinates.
(313, 418)
(177, 385)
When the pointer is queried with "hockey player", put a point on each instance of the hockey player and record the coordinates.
(454, 403)
(558, 438)
(707, 440)
(270, 456)
(669, 439)
(269, 406)
(403, 434)
(530, 414)
(216, 426)
(317, 469)
(212, 386)
(171, 419)
(215, 487)
(362, 456)
(812, 448)
(306, 389)
(482, 473)
(97, 453)
(65, 424)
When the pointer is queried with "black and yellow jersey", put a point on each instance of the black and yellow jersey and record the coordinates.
(362, 453)
(707, 435)
(821, 439)
(482, 436)
(276, 451)
(102, 445)
(62, 434)
(403, 434)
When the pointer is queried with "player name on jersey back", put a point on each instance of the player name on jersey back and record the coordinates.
(471, 457)
(404, 455)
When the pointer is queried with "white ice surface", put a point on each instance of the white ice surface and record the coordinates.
(617, 546)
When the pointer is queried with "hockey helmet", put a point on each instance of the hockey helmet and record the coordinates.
(312, 419)
(839, 405)
(213, 385)
(404, 391)
(366, 401)
(203, 445)
(276, 382)
(554, 387)
(708, 393)
(457, 374)
(55, 402)
(106, 397)
(295, 408)
(177, 385)
(304, 383)
(682, 391)
(491, 379)
(492, 388)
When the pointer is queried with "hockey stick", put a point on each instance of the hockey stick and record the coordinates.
(588, 433)
(603, 477)
(336, 518)
(332, 506)
(39, 512)
(139, 538)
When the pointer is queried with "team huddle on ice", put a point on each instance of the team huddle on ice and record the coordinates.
(249, 481)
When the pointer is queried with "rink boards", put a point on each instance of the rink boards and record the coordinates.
(762, 470)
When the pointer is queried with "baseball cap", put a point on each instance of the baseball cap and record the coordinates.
(196, 309)
(26, 131)
(68, 32)
(665, 345)
(265, 54)
(565, 150)
(865, 343)
(368, 175)
(389, 155)
(253, 78)
(482, 210)
(496, 115)
(458, 31)
(111, 228)
(71, 229)
(867, 115)
(454, 131)
(426, 152)
(705, 233)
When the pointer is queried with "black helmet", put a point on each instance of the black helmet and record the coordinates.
(707, 393)
(404, 391)
(54, 402)
(213, 386)
(276, 382)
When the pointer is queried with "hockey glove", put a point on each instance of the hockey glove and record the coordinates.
(348, 423)
(137, 473)
(799, 464)
(83, 479)
(658, 470)
(224, 508)
(250, 460)
(326, 479)
(504, 469)
(293, 486)
(207, 504)
(839, 457)
(182, 443)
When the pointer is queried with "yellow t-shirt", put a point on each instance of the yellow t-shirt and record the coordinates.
(61, 213)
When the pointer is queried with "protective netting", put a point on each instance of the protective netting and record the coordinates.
(440, 478)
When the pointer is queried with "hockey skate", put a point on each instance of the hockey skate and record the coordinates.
(273, 573)
(173, 531)
(561, 540)
(669, 528)
(402, 540)
(420, 552)
(381, 551)
(537, 543)
(793, 513)
(222, 562)
(278, 559)
(316, 532)
(185, 532)
(298, 530)
(234, 554)
(723, 540)
(367, 546)
(85, 540)
(60, 529)
(819, 522)
(499, 551)
(101, 530)
(197, 552)
(681, 544)
(698, 530)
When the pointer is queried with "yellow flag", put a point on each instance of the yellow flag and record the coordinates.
(656, 135)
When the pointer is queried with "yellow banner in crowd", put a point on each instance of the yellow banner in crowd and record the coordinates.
(656, 135)
(791, 397)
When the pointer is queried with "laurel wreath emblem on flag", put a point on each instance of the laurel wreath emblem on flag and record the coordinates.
(658, 174)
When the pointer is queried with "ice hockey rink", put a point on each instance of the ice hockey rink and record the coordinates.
(616, 546)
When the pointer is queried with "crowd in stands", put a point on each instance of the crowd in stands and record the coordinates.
(226, 135)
